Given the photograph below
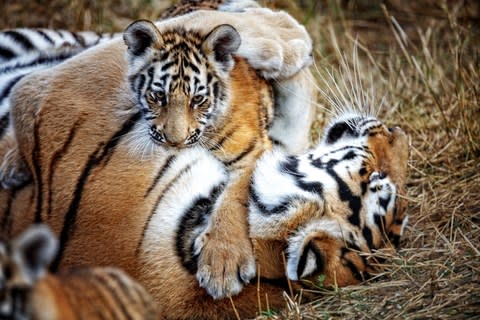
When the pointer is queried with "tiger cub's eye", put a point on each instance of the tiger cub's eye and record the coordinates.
(198, 100)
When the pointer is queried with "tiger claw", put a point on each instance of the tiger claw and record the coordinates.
(223, 268)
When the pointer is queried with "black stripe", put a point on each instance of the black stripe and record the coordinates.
(58, 154)
(45, 36)
(350, 265)
(126, 287)
(160, 197)
(352, 151)
(369, 130)
(224, 138)
(79, 39)
(99, 37)
(303, 259)
(364, 187)
(319, 259)
(103, 306)
(4, 122)
(8, 88)
(338, 130)
(167, 66)
(58, 57)
(115, 295)
(7, 219)
(384, 202)
(242, 155)
(395, 239)
(280, 208)
(194, 220)
(367, 234)
(37, 172)
(346, 195)
(364, 122)
(96, 158)
(290, 166)
(60, 33)
(194, 68)
(6, 53)
(20, 39)
(380, 221)
(160, 174)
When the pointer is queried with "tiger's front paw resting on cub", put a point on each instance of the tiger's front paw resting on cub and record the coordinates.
(279, 47)
(225, 263)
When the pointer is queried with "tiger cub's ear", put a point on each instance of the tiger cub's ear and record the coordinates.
(33, 251)
(140, 35)
(221, 43)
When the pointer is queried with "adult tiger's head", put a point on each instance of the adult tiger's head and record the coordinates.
(366, 204)
(334, 205)
(387, 148)
(180, 79)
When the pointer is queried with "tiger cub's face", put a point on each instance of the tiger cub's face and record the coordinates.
(23, 262)
(180, 79)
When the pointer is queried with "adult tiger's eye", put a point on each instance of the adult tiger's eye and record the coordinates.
(160, 95)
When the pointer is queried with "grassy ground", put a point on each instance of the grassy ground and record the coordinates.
(421, 62)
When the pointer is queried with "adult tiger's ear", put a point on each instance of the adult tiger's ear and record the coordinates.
(221, 43)
(32, 252)
(140, 35)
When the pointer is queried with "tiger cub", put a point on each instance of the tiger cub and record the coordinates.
(188, 95)
(28, 291)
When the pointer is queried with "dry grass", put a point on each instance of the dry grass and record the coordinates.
(423, 59)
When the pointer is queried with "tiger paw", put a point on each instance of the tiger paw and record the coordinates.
(278, 49)
(224, 266)
(13, 170)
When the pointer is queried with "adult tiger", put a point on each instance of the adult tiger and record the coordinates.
(147, 215)
(28, 291)
(326, 210)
